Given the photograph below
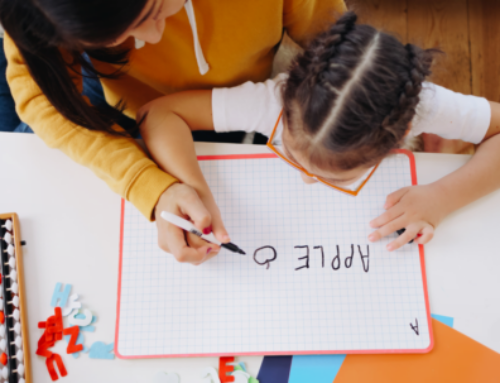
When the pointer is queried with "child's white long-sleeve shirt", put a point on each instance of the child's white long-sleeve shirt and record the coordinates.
(255, 107)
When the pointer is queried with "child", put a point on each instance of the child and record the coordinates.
(346, 102)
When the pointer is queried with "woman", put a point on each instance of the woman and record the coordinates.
(193, 44)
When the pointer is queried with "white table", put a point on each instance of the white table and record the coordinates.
(70, 220)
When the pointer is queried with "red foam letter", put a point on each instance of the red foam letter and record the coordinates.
(52, 370)
(224, 369)
(72, 346)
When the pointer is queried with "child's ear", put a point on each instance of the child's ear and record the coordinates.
(408, 130)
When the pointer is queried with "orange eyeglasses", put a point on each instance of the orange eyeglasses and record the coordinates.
(281, 155)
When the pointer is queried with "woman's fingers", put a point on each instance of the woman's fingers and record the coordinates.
(211, 252)
(171, 239)
(218, 227)
(183, 200)
(193, 207)
(207, 249)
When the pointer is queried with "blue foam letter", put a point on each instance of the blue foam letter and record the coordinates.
(61, 296)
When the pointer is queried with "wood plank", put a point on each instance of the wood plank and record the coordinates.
(484, 25)
(444, 24)
(388, 15)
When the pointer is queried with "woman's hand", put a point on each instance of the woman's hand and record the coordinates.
(418, 209)
(184, 201)
(167, 133)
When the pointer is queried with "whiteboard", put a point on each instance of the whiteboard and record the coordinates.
(311, 283)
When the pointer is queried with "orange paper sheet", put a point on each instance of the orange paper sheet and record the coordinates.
(455, 358)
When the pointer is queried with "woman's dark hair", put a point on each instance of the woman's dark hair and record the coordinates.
(51, 36)
(350, 96)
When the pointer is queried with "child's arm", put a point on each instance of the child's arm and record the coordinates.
(166, 132)
(420, 209)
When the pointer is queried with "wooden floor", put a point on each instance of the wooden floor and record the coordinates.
(468, 31)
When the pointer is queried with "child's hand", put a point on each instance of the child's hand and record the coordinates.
(184, 201)
(418, 209)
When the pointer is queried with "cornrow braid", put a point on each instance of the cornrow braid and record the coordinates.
(324, 47)
(420, 63)
(308, 69)
(350, 96)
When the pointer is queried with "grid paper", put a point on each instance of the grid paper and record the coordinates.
(234, 305)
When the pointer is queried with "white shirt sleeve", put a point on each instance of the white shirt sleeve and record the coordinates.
(451, 115)
(250, 107)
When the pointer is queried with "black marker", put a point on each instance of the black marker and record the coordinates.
(232, 247)
(188, 226)
(401, 231)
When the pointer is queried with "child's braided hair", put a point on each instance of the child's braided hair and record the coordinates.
(350, 96)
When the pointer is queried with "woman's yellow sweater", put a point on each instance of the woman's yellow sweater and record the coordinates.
(239, 39)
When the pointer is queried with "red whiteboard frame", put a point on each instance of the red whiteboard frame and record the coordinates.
(265, 156)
